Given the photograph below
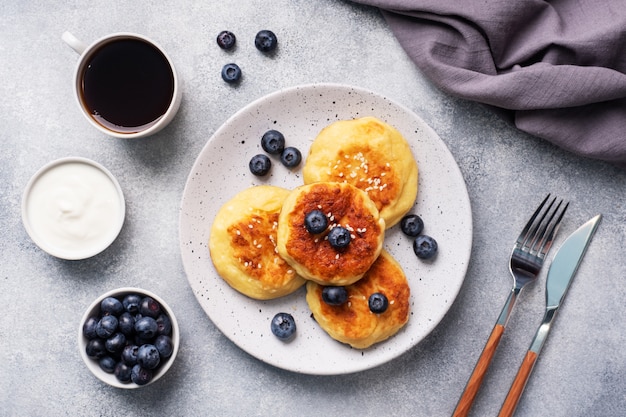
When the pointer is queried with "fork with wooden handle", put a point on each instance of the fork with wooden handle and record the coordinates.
(527, 258)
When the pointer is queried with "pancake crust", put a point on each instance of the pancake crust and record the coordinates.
(371, 155)
(312, 256)
(243, 244)
(353, 323)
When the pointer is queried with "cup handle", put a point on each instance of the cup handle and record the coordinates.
(74, 43)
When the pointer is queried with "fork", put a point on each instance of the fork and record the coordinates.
(527, 258)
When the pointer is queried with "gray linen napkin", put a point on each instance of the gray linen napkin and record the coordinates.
(556, 68)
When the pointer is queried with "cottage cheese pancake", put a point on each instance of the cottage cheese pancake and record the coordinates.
(311, 255)
(352, 322)
(243, 244)
(371, 155)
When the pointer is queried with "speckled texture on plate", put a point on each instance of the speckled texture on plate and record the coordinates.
(221, 170)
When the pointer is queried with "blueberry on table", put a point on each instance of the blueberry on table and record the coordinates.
(378, 303)
(148, 356)
(260, 165)
(273, 142)
(146, 328)
(140, 375)
(231, 73)
(226, 39)
(425, 247)
(412, 225)
(131, 303)
(339, 237)
(334, 296)
(265, 41)
(111, 306)
(291, 157)
(315, 222)
(106, 326)
(283, 326)
(149, 307)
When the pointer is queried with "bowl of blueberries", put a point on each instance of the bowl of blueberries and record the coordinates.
(128, 337)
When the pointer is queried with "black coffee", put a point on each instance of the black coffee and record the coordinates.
(128, 85)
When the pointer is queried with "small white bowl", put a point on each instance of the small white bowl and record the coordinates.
(94, 310)
(73, 208)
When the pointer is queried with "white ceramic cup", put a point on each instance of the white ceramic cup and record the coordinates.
(87, 53)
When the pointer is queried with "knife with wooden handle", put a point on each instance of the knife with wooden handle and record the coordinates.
(560, 275)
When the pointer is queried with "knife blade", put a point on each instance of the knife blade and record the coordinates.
(560, 275)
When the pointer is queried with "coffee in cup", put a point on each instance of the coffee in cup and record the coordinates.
(125, 84)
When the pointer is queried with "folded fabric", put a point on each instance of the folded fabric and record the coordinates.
(557, 68)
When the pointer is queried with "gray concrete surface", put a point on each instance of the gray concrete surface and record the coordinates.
(581, 372)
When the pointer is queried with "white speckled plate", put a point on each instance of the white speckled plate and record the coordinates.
(221, 171)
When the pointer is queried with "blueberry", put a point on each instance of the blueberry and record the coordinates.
(339, 237)
(96, 349)
(273, 142)
(149, 307)
(378, 303)
(425, 247)
(164, 325)
(111, 306)
(107, 364)
(260, 165)
(283, 326)
(148, 356)
(122, 372)
(315, 222)
(146, 328)
(106, 326)
(226, 39)
(412, 225)
(115, 344)
(164, 345)
(126, 323)
(89, 328)
(140, 376)
(334, 296)
(129, 354)
(291, 157)
(265, 41)
(131, 303)
(231, 73)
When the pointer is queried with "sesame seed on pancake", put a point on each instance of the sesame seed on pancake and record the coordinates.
(243, 244)
(371, 155)
(352, 322)
(311, 255)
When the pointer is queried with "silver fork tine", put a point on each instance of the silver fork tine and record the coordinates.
(539, 234)
(547, 244)
(524, 235)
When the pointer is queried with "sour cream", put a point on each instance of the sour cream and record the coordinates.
(73, 208)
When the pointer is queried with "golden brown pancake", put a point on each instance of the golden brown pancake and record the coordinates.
(311, 255)
(353, 322)
(371, 155)
(243, 244)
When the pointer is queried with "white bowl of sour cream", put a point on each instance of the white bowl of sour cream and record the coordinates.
(73, 208)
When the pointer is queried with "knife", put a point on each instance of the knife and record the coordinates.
(562, 271)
